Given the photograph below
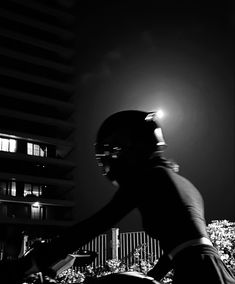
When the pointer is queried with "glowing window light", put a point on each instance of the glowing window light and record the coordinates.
(12, 145)
(13, 188)
(36, 150)
(8, 145)
(35, 210)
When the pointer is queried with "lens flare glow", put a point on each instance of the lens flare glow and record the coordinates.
(159, 114)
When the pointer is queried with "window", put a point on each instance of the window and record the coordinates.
(32, 189)
(38, 212)
(8, 188)
(3, 188)
(35, 211)
(8, 145)
(36, 150)
(12, 188)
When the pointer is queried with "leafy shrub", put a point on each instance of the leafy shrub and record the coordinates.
(221, 234)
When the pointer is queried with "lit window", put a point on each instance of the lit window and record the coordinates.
(13, 188)
(29, 148)
(8, 145)
(32, 189)
(5, 145)
(8, 188)
(35, 211)
(38, 212)
(27, 189)
(37, 190)
(43, 153)
(3, 188)
(36, 150)
(12, 145)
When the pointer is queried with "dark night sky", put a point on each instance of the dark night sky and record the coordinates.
(148, 56)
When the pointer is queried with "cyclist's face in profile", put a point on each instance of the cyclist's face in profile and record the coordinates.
(113, 153)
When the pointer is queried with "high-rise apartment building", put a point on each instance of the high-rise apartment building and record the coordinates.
(36, 120)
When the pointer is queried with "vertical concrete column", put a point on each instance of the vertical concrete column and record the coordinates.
(115, 243)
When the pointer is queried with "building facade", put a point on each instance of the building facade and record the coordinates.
(36, 121)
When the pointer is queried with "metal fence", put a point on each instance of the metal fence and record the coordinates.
(138, 245)
(100, 246)
(126, 247)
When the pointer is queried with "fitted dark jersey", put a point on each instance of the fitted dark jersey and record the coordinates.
(170, 206)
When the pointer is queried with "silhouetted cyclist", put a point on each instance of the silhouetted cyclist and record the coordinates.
(129, 149)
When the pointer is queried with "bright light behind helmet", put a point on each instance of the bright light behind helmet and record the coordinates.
(159, 114)
(155, 116)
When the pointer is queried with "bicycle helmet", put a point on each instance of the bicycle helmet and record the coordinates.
(126, 134)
